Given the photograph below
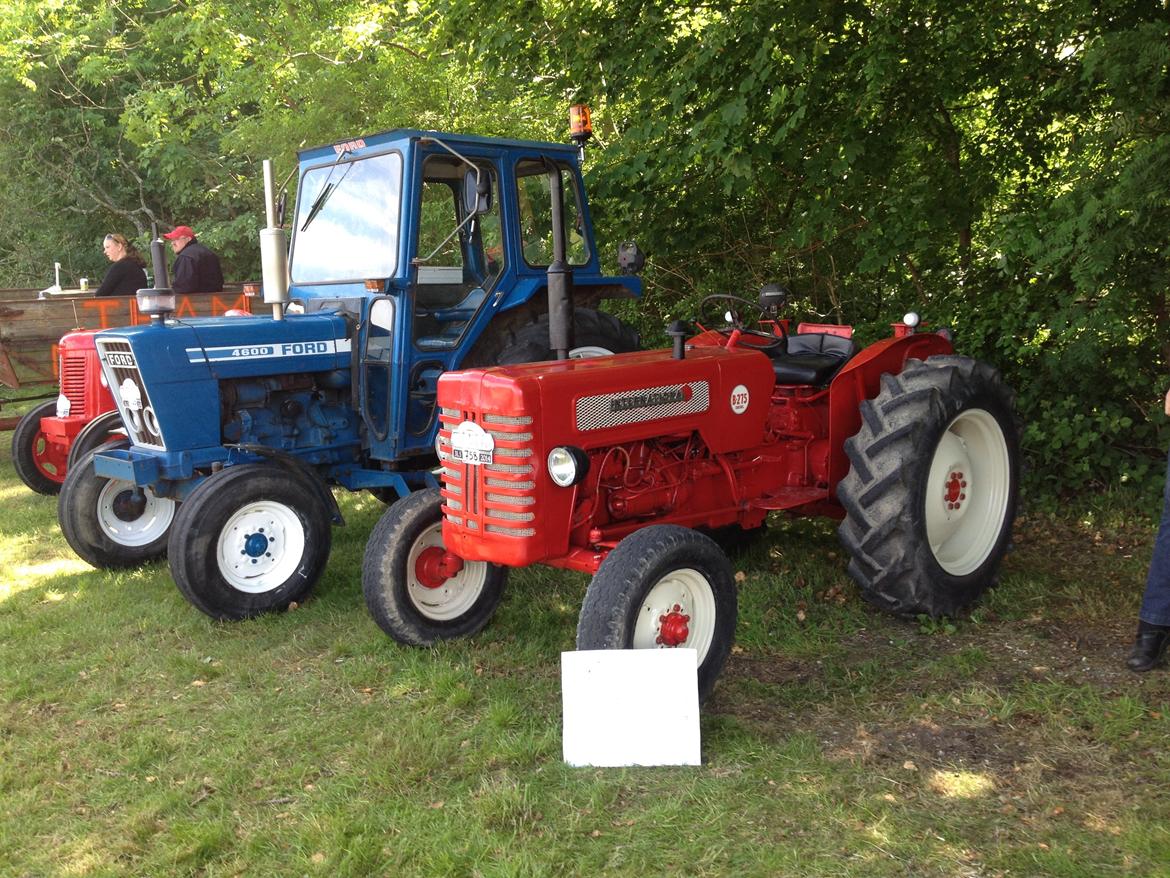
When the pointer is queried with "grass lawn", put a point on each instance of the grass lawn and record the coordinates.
(137, 737)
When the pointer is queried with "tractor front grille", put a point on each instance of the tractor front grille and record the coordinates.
(73, 374)
(495, 498)
(130, 394)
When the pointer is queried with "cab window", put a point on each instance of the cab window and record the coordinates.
(534, 197)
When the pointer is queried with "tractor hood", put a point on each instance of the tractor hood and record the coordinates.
(165, 378)
(232, 347)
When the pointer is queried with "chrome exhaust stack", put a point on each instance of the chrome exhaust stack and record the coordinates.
(273, 251)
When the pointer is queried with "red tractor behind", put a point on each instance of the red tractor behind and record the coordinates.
(80, 419)
(620, 466)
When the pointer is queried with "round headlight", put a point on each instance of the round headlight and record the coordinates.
(567, 465)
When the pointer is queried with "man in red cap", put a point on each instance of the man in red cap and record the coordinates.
(196, 269)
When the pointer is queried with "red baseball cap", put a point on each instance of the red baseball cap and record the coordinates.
(179, 232)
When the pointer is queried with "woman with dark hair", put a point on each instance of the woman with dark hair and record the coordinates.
(126, 276)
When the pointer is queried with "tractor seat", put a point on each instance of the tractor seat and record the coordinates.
(813, 358)
(448, 323)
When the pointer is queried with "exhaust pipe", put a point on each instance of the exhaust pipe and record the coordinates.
(560, 276)
(273, 251)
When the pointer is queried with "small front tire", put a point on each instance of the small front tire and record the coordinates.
(664, 586)
(39, 462)
(109, 523)
(250, 539)
(101, 431)
(411, 588)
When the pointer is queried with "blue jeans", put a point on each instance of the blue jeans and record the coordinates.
(1156, 601)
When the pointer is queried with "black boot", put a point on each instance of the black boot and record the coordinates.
(1148, 647)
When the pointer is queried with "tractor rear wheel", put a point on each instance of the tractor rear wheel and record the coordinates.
(250, 539)
(663, 586)
(416, 591)
(108, 522)
(102, 430)
(595, 334)
(931, 494)
(39, 462)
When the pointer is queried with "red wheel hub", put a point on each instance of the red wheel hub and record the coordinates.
(956, 490)
(49, 458)
(435, 565)
(672, 627)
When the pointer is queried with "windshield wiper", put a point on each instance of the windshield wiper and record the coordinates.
(326, 190)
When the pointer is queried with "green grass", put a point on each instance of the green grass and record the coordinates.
(139, 737)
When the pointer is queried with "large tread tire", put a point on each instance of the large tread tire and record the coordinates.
(524, 339)
(656, 572)
(101, 431)
(942, 430)
(227, 548)
(412, 604)
(39, 462)
(102, 524)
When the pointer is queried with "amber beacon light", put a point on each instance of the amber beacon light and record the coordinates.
(580, 125)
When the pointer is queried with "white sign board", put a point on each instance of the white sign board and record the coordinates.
(630, 707)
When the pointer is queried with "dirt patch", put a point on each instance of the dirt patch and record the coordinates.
(1013, 660)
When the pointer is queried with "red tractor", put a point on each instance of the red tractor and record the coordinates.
(50, 437)
(621, 466)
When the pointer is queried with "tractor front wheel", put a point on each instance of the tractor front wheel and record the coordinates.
(102, 430)
(250, 539)
(417, 592)
(931, 494)
(39, 462)
(664, 586)
(108, 522)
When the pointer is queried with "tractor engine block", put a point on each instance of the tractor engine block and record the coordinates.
(288, 412)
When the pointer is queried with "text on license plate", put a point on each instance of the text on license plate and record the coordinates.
(472, 456)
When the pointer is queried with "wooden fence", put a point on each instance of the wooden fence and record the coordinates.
(30, 326)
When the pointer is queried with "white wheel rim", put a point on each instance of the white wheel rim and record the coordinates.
(680, 593)
(140, 530)
(590, 350)
(260, 547)
(456, 594)
(967, 492)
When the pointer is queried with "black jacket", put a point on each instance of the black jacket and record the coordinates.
(124, 278)
(196, 270)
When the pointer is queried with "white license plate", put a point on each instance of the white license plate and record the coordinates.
(472, 456)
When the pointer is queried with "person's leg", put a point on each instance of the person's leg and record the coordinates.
(1153, 633)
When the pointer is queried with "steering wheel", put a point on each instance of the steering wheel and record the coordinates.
(773, 344)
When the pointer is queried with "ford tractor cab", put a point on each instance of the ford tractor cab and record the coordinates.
(412, 253)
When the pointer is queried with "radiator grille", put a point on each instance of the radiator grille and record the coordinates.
(130, 393)
(496, 498)
(73, 379)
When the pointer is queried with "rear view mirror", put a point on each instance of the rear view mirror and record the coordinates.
(631, 259)
(477, 192)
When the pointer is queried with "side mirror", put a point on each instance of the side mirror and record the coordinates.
(630, 258)
(477, 192)
(773, 297)
(281, 204)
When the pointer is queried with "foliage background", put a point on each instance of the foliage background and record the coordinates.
(1001, 168)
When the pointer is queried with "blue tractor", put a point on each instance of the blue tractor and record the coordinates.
(412, 253)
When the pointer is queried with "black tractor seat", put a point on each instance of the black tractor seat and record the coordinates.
(812, 358)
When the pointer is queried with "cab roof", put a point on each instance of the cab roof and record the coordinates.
(371, 144)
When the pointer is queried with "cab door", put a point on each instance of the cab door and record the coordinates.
(459, 257)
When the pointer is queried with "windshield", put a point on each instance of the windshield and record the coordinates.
(354, 233)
